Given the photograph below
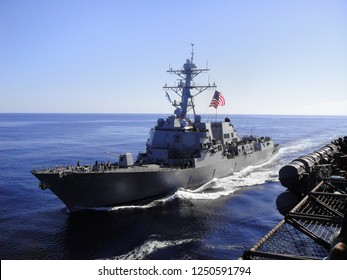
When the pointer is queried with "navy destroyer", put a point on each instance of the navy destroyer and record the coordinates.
(182, 152)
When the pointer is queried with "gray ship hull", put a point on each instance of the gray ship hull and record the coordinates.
(139, 184)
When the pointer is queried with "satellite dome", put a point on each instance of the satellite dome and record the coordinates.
(197, 118)
(160, 122)
(183, 123)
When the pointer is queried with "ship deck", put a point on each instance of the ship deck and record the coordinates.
(102, 168)
(307, 231)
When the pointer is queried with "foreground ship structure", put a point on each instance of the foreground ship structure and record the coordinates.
(314, 207)
(180, 153)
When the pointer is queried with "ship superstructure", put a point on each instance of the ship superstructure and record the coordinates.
(180, 153)
(178, 141)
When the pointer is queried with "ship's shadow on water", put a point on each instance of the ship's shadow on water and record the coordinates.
(125, 233)
(94, 234)
(178, 229)
(175, 229)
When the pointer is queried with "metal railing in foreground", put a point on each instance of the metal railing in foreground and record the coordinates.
(309, 229)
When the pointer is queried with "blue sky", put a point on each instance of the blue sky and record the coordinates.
(103, 56)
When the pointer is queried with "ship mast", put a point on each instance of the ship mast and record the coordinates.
(185, 85)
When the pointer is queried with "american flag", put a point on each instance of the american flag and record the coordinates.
(217, 100)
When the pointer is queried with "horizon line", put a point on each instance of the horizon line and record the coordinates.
(146, 113)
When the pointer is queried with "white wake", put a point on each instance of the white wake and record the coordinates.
(149, 247)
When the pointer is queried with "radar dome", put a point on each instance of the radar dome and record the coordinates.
(183, 123)
(197, 118)
(160, 122)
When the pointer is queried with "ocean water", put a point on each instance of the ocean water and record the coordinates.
(217, 221)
